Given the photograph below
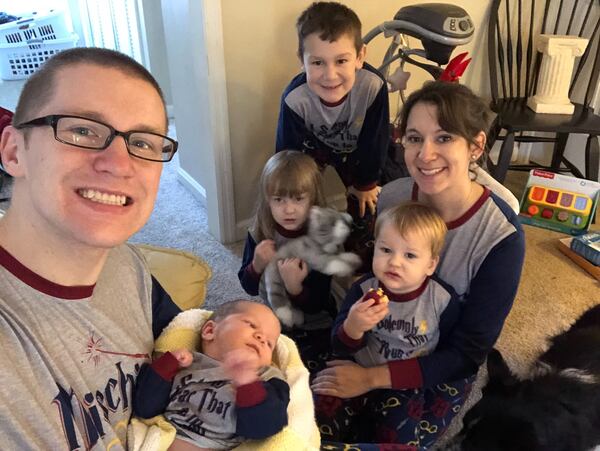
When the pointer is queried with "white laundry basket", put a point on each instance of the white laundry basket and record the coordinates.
(20, 61)
(51, 25)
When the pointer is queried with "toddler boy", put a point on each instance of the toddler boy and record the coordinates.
(228, 391)
(337, 109)
(417, 308)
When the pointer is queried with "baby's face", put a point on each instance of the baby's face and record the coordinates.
(254, 328)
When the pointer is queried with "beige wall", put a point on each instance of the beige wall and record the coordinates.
(260, 59)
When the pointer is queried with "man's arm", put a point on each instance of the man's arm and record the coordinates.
(163, 308)
(153, 386)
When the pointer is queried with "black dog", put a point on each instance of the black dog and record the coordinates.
(557, 409)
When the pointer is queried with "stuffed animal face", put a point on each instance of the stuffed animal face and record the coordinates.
(329, 227)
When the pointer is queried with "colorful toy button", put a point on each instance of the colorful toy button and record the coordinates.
(581, 203)
(562, 216)
(547, 213)
(537, 193)
(566, 200)
(576, 220)
(533, 210)
(552, 196)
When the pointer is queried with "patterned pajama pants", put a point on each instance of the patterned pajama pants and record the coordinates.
(400, 420)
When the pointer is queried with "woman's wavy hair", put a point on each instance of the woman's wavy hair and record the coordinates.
(287, 173)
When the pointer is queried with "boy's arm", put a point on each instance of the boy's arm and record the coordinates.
(341, 343)
(261, 408)
(249, 278)
(153, 386)
(373, 141)
(291, 129)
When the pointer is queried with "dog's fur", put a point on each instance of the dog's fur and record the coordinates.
(557, 408)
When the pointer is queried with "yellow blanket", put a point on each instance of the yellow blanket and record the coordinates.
(301, 433)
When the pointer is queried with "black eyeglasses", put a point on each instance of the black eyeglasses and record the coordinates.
(90, 134)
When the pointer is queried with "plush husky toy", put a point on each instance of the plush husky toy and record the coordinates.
(321, 248)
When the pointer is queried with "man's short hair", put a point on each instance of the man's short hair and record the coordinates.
(414, 217)
(330, 20)
(39, 88)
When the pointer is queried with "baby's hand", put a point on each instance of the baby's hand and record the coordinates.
(241, 366)
(263, 254)
(184, 357)
(363, 316)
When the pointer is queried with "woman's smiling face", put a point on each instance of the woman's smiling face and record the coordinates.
(435, 158)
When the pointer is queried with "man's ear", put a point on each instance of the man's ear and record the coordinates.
(360, 57)
(11, 141)
(208, 330)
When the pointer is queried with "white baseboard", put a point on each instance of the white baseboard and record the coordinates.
(192, 185)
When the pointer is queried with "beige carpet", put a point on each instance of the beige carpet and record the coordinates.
(553, 292)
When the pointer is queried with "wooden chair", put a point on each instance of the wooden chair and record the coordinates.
(514, 66)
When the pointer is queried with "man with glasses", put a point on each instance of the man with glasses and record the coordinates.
(79, 310)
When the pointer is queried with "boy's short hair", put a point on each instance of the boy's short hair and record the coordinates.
(330, 20)
(414, 217)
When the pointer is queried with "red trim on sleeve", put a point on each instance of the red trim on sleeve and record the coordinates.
(405, 374)
(166, 366)
(347, 340)
(367, 187)
(250, 394)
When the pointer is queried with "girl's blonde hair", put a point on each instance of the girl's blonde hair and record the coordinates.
(287, 173)
(413, 217)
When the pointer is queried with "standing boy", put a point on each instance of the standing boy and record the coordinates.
(337, 109)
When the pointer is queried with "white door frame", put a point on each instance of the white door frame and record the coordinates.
(198, 78)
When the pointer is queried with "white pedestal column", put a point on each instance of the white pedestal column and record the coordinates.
(552, 95)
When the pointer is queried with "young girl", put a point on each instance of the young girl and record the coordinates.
(289, 185)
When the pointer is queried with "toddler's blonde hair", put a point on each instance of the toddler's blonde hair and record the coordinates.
(414, 217)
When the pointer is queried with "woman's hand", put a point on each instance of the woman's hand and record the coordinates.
(365, 199)
(293, 271)
(345, 379)
(263, 254)
(363, 316)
